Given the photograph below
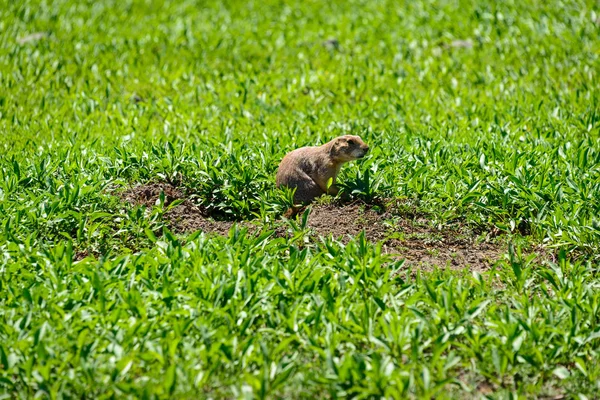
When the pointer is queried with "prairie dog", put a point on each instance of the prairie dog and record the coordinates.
(308, 169)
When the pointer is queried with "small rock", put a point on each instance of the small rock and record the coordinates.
(32, 37)
(136, 98)
(332, 44)
(464, 44)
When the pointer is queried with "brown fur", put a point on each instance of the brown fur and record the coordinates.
(308, 169)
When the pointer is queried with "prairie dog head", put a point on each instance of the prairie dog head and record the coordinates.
(347, 148)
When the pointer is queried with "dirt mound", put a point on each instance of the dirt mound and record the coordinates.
(184, 217)
(404, 235)
(343, 222)
(413, 239)
(148, 195)
(188, 217)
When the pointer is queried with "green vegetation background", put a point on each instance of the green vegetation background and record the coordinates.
(480, 112)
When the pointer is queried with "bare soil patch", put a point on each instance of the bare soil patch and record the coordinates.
(404, 235)
(184, 217)
(408, 237)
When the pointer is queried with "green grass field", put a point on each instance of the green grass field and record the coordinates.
(479, 273)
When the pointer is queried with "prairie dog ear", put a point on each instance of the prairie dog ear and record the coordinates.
(336, 146)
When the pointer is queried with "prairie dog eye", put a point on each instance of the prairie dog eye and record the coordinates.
(351, 142)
